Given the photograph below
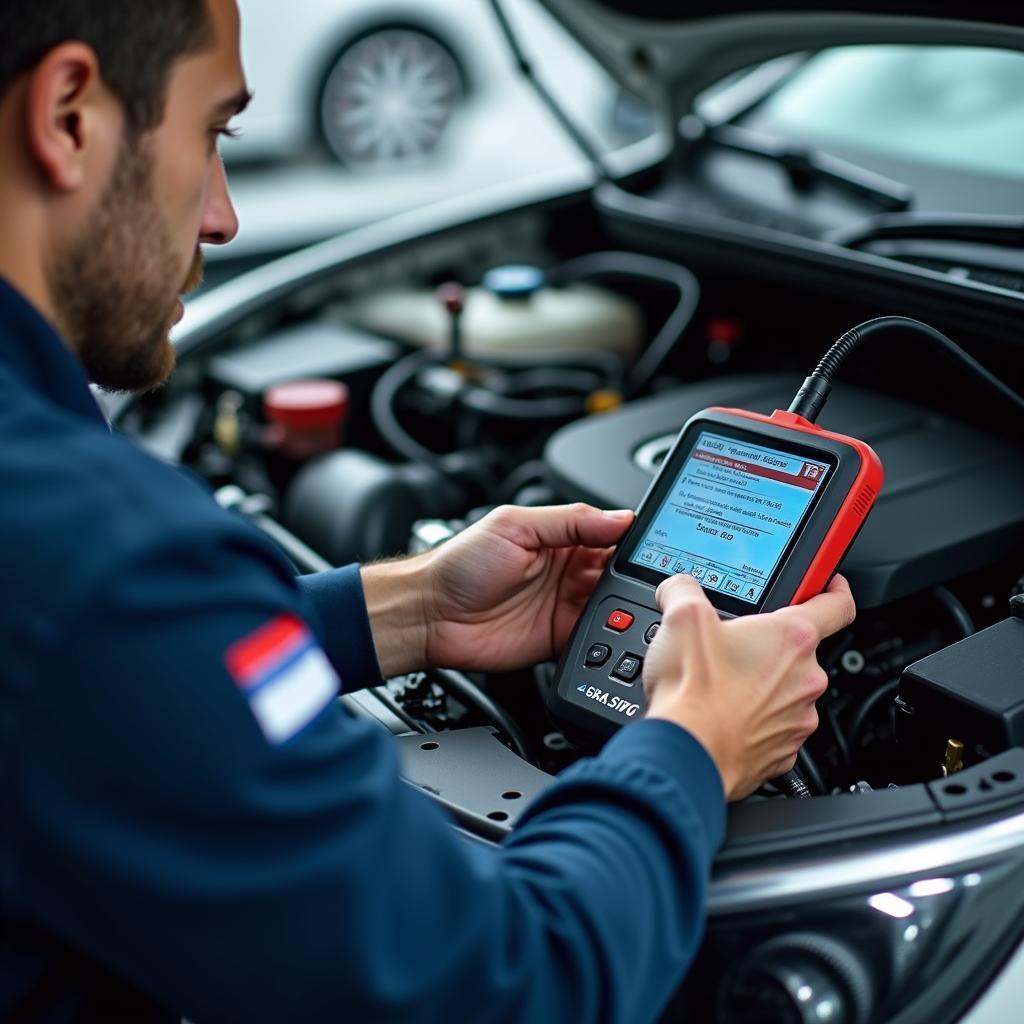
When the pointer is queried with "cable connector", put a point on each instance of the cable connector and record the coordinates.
(792, 785)
(811, 398)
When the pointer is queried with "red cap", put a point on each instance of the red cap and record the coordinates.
(725, 330)
(453, 297)
(307, 403)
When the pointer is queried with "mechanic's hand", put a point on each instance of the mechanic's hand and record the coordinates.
(507, 592)
(503, 594)
(744, 688)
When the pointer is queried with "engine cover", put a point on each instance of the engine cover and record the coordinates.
(953, 499)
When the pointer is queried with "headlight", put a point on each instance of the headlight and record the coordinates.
(909, 934)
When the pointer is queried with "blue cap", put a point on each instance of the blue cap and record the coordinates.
(514, 281)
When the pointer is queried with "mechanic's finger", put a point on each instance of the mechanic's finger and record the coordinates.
(839, 584)
(684, 637)
(832, 610)
(560, 526)
(677, 587)
(686, 612)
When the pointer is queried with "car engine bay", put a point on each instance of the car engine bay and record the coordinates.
(489, 365)
(534, 406)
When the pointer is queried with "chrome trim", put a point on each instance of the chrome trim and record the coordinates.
(873, 870)
(1002, 997)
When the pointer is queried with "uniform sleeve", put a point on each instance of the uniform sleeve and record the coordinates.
(240, 871)
(335, 600)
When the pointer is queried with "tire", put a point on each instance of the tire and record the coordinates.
(387, 99)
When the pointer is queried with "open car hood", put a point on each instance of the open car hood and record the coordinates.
(669, 51)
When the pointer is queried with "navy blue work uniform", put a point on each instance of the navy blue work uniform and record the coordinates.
(191, 825)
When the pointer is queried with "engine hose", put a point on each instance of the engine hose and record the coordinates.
(476, 400)
(503, 405)
(964, 626)
(608, 365)
(809, 767)
(832, 717)
(382, 407)
(528, 472)
(960, 616)
(463, 689)
(490, 403)
(871, 701)
(643, 268)
(539, 378)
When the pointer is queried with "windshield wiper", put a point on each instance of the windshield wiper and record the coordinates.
(805, 166)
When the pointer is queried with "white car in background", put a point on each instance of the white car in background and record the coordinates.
(363, 110)
(376, 85)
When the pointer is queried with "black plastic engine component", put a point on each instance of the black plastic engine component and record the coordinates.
(351, 506)
(971, 693)
(953, 498)
(308, 350)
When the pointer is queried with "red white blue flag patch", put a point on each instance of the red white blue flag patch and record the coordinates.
(284, 675)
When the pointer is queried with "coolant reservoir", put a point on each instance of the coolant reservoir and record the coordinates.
(512, 316)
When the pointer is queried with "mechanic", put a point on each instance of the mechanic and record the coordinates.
(192, 825)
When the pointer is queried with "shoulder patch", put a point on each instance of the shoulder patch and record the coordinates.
(284, 675)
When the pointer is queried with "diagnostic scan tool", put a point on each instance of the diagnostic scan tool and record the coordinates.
(759, 509)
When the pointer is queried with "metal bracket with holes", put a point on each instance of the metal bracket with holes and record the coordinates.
(472, 774)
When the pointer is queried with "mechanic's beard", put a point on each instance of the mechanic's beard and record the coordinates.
(116, 287)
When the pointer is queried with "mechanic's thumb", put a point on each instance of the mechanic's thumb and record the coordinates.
(832, 610)
(679, 588)
(561, 526)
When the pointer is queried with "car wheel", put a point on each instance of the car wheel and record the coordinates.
(388, 98)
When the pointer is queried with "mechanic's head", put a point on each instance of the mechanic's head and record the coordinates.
(110, 113)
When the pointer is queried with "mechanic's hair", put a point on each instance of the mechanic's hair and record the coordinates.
(136, 41)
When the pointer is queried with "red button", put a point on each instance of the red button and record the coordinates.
(620, 621)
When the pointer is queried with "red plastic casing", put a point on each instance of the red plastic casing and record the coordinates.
(854, 509)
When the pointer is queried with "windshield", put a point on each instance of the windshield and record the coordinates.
(959, 107)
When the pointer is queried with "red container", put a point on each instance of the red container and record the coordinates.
(307, 417)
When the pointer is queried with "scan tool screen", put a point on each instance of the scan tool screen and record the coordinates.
(730, 514)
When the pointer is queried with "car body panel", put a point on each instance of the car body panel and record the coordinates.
(670, 60)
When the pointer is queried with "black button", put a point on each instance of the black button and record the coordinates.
(597, 654)
(652, 632)
(628, 668)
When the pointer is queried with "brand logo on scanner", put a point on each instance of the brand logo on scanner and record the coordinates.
(611, 702)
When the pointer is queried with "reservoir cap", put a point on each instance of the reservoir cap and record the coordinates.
(307, 404)
(514, 281)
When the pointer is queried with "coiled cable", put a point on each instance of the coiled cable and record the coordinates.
(814, 392)
(637, 267)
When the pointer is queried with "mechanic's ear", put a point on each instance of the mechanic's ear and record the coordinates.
(70, 115)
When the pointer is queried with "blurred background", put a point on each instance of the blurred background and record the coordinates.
(367, 108)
